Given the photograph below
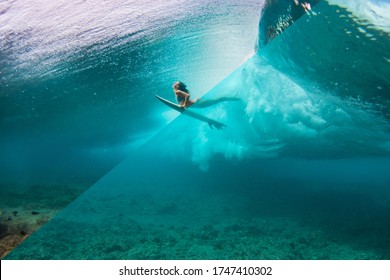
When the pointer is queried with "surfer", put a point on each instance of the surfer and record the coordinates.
(183, 98)
(182, 95)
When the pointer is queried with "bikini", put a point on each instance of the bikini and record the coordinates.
(179, 99)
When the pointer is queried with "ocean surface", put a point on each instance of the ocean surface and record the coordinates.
(302, 170)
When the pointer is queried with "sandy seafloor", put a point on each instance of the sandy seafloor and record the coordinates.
(247, 217)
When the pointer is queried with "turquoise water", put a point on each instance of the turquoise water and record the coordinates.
(300, 172)
(78, 79)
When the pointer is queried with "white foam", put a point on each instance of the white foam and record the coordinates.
(277, 117)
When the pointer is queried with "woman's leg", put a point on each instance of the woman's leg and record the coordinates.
(211, 102)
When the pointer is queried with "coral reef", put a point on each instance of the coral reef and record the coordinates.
(24, 209)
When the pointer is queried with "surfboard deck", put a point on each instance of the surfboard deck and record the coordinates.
(212, 123)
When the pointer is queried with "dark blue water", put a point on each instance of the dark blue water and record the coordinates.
(78, 79)
(300, 172)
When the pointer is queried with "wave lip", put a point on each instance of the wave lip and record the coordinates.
(374, 13)
(339, 51)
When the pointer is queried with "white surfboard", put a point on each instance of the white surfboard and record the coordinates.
(212, 123)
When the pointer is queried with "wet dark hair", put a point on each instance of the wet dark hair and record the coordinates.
(182, 86)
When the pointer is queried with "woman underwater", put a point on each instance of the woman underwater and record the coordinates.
(182, 95)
